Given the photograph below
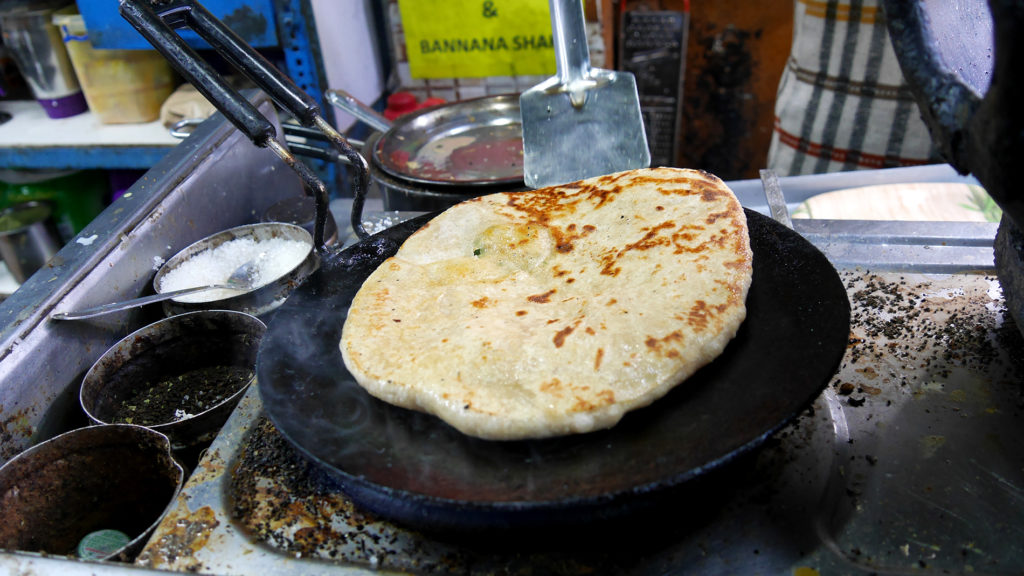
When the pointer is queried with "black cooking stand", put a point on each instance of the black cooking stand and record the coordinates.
(415, 469)
(158, 24)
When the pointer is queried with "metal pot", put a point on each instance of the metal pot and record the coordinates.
(28, 238)
(257, 301)
(442, 155)
(112, 477)
(166, 349)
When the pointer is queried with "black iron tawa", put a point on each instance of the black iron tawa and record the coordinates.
(414, 469)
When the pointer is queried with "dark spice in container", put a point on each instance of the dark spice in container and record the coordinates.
(182, 396)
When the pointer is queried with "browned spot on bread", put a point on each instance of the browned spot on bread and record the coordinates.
(741, 264)
(582, 405)
(684, 237)
(604, 191)
(655, 344)
(608, 260)
(714, 216)
(602, 398)
(521, 312)
(709, 192)
(564, 241)
(553, 386)
(700, 315)
(483, 302)
(733, 298)
(589, 330)
(598, 358)
(382, 297)
(541, 298)
(564, 333)
(542, 206)
(653, 237)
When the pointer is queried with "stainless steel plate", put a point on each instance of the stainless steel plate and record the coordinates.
(473, 142)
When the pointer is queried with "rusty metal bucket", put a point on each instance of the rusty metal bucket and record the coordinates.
(114, 477)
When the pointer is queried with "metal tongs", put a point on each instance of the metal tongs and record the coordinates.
(158, 27)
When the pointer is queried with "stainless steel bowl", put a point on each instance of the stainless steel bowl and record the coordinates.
(166, 349)
(257, 301)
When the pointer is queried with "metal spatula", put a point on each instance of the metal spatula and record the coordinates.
(585, 121)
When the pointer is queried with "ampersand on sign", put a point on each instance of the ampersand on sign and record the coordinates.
(489, 10)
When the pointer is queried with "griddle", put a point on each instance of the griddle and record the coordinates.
(414, 469)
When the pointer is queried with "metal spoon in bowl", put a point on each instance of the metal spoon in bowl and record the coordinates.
(241, 280)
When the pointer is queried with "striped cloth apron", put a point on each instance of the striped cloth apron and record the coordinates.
(842, 102)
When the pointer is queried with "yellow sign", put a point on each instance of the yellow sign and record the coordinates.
(477, 38)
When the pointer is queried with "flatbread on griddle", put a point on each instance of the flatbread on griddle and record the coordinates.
(555, 311)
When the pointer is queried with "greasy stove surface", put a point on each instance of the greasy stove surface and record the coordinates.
(910, 461)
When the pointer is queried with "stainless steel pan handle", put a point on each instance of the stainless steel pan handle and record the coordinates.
(158, 27)
(349, 103)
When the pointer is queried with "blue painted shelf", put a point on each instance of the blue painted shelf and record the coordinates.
(31, 140)
(253, 20)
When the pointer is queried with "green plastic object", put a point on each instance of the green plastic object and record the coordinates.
(101, 544)
(76, 196)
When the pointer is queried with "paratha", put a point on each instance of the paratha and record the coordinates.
(555, 311)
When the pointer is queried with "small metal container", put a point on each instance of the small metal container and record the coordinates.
(257, 301)
(117, 477)
(35, 44)
(409, 195)
(28, 238)
(168, 349)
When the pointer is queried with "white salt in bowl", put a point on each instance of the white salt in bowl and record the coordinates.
(284, 255)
